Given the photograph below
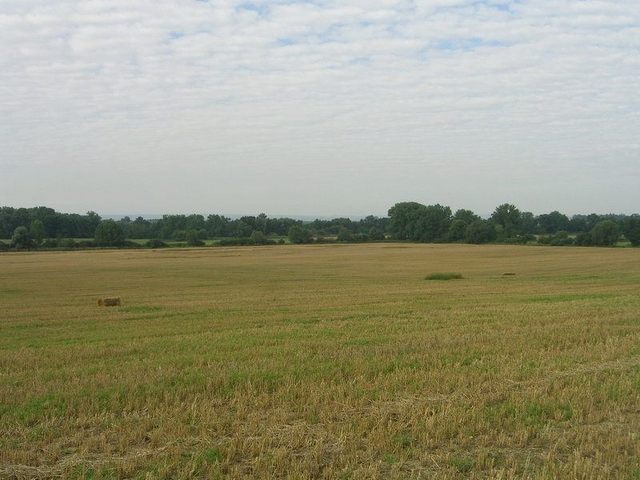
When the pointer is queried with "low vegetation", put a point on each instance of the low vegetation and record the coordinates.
(444, 276)
(321, 361)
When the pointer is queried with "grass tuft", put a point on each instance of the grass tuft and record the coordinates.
(444, 276)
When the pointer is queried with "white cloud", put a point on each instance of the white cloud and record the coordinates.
(324, 107)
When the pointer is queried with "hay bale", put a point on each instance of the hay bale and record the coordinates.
(109, 302)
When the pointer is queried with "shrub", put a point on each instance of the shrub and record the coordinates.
(67, 243)
(3, 247)
(21, 239)
(50, 243)
(444, 276)
(193, 239)
(85, 244)
(281, 241)
(520, 239)
(156, 243)
(583, 239)
(258, 237)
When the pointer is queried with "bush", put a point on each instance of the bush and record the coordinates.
(155, 243)
(259, 238)
(3, 247)
(520, 239)
(444, 276)
(21, 239)
(281, 241)
(583, 239)
(193, 239)
(242, 242)
(50, 243)
(85, 244)
(67, 243)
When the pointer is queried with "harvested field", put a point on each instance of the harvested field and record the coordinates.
(321, 362)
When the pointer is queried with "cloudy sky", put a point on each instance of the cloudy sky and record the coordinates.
(319, 107)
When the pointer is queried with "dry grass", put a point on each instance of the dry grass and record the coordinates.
(321, 362)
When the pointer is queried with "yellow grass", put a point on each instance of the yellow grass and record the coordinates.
(321, 362)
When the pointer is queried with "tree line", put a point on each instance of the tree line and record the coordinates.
(43, 227)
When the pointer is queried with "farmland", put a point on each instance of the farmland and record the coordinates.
(328, 361)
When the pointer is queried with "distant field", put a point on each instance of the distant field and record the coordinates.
(333, 361)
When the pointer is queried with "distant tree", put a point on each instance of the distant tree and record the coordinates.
(528, 223)
(457, 230)
(479, 231)
(345, 235)
(605, 233)
(466, 216)
(21, 239)
(37, 232)
(433, 224)
(299, 234)
(404, 219)
(376, 234)
(553, 222)
(507, 218)
(583, 239)
(109, 234)
(631, 229)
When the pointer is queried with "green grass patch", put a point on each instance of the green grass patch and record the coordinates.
(444, 276)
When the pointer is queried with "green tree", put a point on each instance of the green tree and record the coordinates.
(457, 230)
(36, 231)
(507, 218)
(404, 218)
(258, 237)
(299, 234)
(605, 233)
(466, 216)
(21, 239)
(376, 234)
(479, 231)
(553, 222)
(631, 229)
(344, 235)
(109, 234)
(433, 224)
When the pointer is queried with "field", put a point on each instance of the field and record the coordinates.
(334, 361)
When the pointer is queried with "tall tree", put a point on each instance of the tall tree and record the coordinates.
(507, 218)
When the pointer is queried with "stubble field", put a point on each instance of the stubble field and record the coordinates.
(335, 361)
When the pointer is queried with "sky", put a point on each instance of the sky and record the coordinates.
(319, 107)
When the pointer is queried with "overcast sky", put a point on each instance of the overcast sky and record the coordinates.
(319, 107)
